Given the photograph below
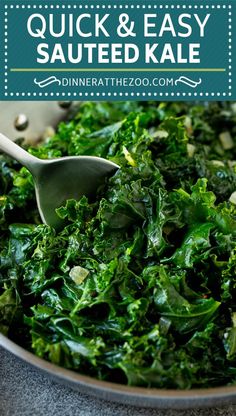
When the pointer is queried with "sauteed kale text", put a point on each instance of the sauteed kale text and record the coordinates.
(140, 285)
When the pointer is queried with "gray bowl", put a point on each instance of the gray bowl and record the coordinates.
(137, 396)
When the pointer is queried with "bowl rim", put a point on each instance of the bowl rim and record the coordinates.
(138, 396)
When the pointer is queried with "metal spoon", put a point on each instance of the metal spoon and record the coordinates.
(57, 180)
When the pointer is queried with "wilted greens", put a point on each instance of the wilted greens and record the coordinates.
(140, 286)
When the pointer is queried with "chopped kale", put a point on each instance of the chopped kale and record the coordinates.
(139, 287)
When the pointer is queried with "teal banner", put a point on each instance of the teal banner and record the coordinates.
(108, 50)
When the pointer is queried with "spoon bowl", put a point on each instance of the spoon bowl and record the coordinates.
(57, 180)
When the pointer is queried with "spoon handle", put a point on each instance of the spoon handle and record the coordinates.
(16, 152)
